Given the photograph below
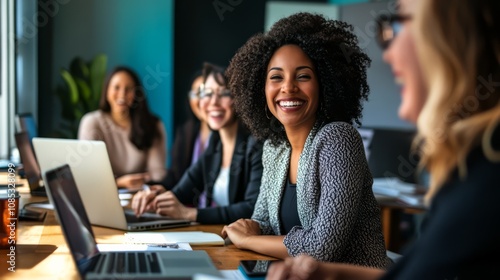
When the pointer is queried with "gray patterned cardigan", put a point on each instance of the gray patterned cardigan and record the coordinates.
(339, 215)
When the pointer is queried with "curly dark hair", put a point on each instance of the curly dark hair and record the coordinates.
(340, 66)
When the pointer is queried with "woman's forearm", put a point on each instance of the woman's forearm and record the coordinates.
(271, 245)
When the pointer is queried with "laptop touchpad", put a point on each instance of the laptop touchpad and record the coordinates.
(183, 262)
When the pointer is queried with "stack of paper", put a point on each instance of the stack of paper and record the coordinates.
(392, 187)
(191, 237)
(234, 274)
(412, 199)
(143, 247)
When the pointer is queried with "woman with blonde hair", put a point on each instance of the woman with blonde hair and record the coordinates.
(452, 94)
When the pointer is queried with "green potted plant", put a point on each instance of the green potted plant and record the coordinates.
(80, 93)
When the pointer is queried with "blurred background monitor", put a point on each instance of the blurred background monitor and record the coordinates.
(26, 123)
(389, 153)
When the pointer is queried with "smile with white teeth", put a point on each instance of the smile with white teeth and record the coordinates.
(289, 104)
(121, 102)
(216, 114)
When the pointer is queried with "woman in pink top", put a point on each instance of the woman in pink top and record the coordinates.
(134, 137)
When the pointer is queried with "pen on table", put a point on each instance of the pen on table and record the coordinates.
(164, 245)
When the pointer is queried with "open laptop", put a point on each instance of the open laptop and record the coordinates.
(30, 165)
(26, 122)
(93, 264)
(92, 170)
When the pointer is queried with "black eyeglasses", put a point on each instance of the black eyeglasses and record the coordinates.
(194, 94)
(388, 27)
(207, 93)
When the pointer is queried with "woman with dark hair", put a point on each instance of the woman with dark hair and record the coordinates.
(224, 183)
(447, 56)
(134, 137)
(303, 93)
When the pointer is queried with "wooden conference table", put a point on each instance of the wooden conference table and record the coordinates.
(42, 253)
(391, 211)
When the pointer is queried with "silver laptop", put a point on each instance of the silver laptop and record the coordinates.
(93, 264)
(92, 171)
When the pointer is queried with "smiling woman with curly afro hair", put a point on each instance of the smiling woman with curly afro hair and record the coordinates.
(340, 67)
(300, 87)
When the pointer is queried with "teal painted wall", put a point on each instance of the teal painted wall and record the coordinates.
(138, 34)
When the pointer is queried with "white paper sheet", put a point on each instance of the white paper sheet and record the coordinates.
(143, 247)
(226, 274)
(191, 237)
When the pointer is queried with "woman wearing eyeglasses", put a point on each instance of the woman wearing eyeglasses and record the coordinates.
(224, 183)
(446, 55)
(301, 87)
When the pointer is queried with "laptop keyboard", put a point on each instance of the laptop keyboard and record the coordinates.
(128, 262)
(131, 218)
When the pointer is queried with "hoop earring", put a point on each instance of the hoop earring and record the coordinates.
(265, 110)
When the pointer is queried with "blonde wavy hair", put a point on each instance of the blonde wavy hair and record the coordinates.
(458, 43)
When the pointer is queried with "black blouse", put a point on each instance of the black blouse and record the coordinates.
(289, 215)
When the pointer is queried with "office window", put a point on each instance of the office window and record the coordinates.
(28, 20)
(7, 77)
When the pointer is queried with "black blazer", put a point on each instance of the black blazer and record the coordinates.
(244, 179)
(182, 152)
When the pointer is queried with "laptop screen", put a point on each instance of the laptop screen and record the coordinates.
(72, 216)
(389, 153)
(31, 168)
(26, 122)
